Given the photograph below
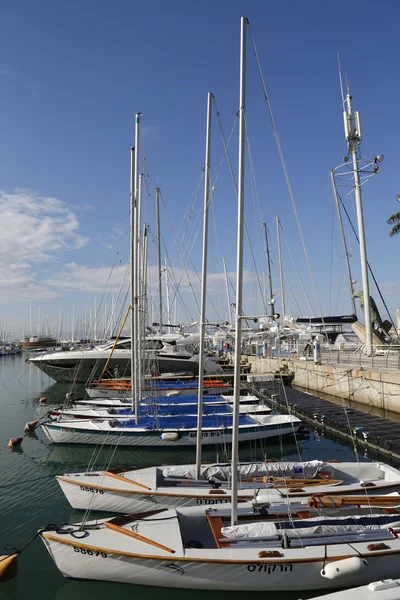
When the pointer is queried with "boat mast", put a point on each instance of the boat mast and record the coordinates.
(202, 324)
(144, 280)
(239, 270)
(95, 320)
(139, 275)
(132, 277)
(228, 298)
(271, 293)
(352, 130)
(346, 251)
(159, 257)
(278, 235)
(167, 293)
(73, 323)
(134, 272)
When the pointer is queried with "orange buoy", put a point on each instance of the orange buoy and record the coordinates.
(14, 442)
(43, 400)
(31, 425)
(8, 567)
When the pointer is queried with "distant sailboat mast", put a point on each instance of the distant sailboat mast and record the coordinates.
(228, 298)
(159, 258)
(202, 324)
(278, 235)
(271, 292)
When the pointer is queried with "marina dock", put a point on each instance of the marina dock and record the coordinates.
(380, 435)
(371, 381)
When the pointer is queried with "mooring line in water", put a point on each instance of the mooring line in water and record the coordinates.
(8, 562)
(14, 374)
(3, 487)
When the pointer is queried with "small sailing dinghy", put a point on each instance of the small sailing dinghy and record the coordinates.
(141, 489)
(121, 388)
(164, 431)
(183, 548)
(216, 405)
(162, 401)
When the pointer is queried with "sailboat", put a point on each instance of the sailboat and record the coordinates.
(261, 550)
(165, 406)
(168, 486)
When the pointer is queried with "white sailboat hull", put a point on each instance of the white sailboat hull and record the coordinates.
(99, 392)
(92, 433)
(96, 557)
(142, 489)
(85, 496)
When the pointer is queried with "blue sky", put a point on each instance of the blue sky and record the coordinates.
(72, 76)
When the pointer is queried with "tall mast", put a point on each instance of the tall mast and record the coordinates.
(278, 235)
(135, 366)
(30, 319)
(73, 323)
(132, 276)
(228, 297)
(159, 257)
(346, 252)
(203, 285)
(139, 274)
(271, 293)
(144, 279)
(239, 270)
(352, 129)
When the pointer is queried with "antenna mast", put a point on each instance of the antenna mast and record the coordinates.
(352, 132)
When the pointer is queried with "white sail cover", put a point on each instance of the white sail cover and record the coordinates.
(338, 524)
(250, 530)
(322, 525)
(300, 470)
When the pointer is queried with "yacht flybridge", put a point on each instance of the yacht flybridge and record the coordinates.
(164, 354)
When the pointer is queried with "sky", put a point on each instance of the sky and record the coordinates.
(73, 75)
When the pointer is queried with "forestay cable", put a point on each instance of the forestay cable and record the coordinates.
(285, 171)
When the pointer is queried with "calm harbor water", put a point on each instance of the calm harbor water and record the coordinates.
(30, 496)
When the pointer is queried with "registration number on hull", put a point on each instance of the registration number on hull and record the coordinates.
(85, 488)
(212, 500)
(206, 434)
(269, 569)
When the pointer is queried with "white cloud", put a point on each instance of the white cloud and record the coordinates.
(33, 229)
(80, 278)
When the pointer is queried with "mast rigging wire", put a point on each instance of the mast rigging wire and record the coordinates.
(286, 174)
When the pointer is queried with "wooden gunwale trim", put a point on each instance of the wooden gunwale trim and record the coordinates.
(269, 561)
(121, 478)
(137, 536)
(151, 493)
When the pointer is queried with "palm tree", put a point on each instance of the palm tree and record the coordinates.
(395, 221)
